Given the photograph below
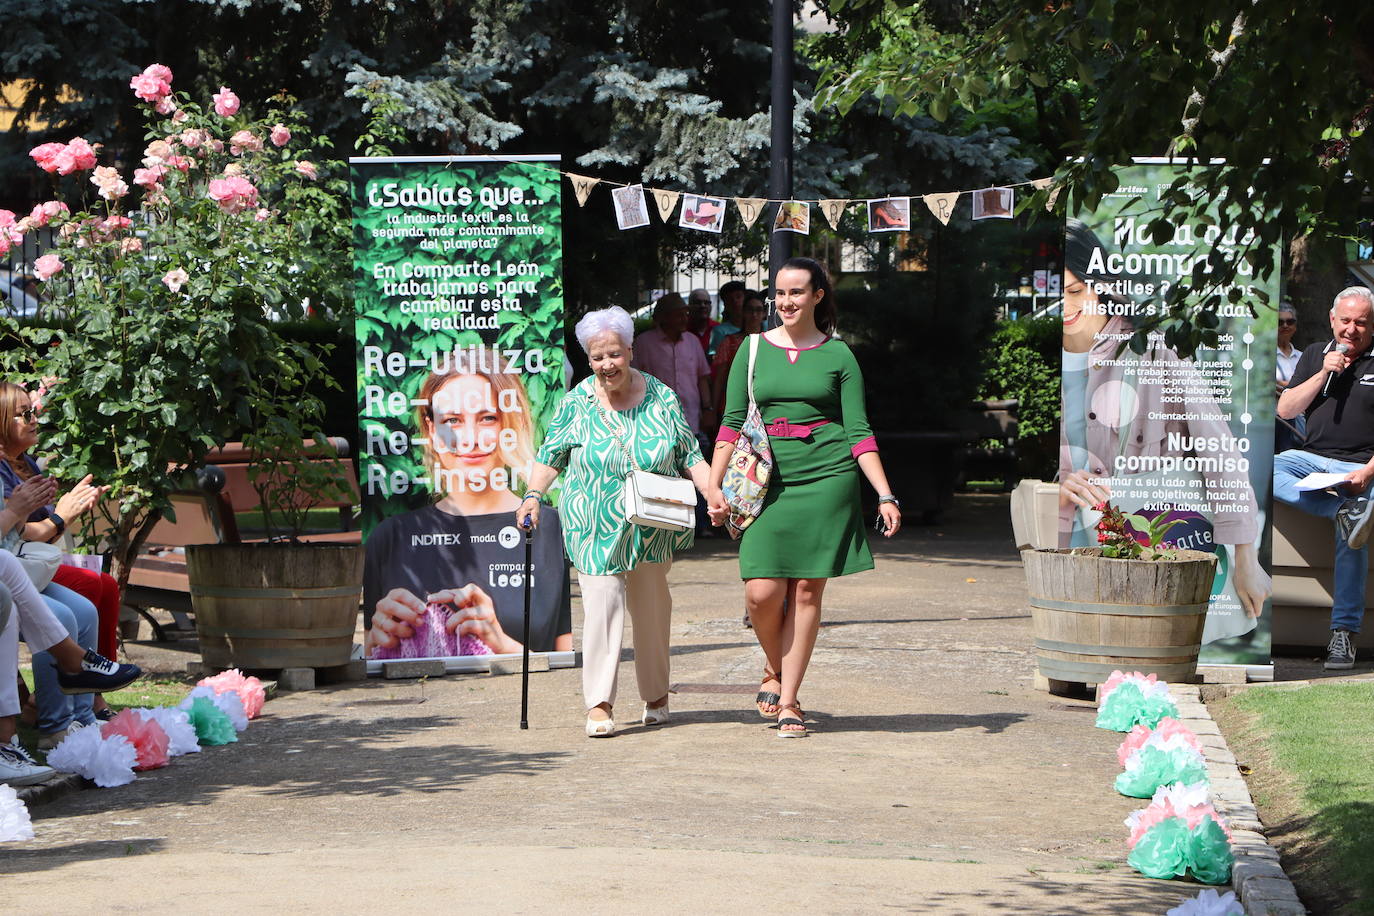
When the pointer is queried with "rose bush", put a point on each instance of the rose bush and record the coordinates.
(174, 285)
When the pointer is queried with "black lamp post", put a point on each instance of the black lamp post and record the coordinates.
(780, 153)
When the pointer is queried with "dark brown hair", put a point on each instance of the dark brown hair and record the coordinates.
(820, 281)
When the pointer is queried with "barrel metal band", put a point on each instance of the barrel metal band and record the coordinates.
(1075, 648)
(240, 633)
(1128, 610)
(235, 591)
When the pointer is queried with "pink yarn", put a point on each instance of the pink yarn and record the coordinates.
(433, 639)
(1166, 728)
(249, 689)
(146, 735)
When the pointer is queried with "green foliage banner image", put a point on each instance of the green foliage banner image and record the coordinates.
(460, 361)
(1172, 438)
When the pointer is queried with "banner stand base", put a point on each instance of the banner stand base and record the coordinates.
(486, 664)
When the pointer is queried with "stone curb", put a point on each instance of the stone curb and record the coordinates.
(1257, 877)
(55, 787)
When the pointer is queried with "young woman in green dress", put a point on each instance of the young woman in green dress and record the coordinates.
(809, 391)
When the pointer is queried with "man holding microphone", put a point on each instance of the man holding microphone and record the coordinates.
(1333, 387)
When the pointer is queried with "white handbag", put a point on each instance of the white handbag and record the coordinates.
(654, 500)
(657, 501)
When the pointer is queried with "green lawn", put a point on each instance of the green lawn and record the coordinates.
(1310, 759)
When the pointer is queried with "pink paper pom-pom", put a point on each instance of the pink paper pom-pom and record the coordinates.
(181, 735)
(248, 688)
(1167, 728)
(146, 735)
(1118, 677)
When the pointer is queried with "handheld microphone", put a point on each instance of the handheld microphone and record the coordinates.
(1330, 376)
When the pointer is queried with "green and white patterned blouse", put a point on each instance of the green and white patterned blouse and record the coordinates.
(579, 443)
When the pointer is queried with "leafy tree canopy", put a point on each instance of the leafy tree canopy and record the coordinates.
(1281, 91)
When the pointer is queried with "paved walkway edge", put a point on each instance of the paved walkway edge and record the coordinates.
(54, 788)
(1257, 877)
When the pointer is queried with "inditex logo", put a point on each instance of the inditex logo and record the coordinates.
(435, 540)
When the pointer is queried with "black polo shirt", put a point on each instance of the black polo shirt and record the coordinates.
(1341, 425)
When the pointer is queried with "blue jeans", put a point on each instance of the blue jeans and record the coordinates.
(1352, 566)
(57, 710)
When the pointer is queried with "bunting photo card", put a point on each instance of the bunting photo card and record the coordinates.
(706, 214)
(631, 209)
(793, 216)
(889, 214)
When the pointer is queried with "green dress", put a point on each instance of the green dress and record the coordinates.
(811, 525)
(598, 539)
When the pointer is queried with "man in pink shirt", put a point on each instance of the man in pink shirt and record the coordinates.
(674, 357)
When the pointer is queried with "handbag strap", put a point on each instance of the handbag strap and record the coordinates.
(629, 455)
(753, 353)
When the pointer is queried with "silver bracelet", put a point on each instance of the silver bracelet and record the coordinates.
(889, 498)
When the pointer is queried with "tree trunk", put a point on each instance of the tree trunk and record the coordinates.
(1317, 272)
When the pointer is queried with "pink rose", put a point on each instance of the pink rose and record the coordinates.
(112, 224)
(233, 170)
(149, 88)
(178, 116)
(217, 146)
(233, 194)
(193, 137)
(307, 168)
(47, 266)
(226, 103)
(150, 178)
(263, 215)
(159, 72)
(10, 231)
(157, 153)
(244, 141)
(175, 279)
(111, 186)
(43, 213)
(46, 155)
(82, 153)
(180, 163)
(131, 245)
(280, 135)
(165, 107)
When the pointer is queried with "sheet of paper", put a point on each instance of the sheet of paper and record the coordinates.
(1320, 481)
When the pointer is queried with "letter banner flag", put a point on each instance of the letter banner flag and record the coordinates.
(458, 279)
(582, 187)
(667, 202)
(942, 205)
(1188, 440)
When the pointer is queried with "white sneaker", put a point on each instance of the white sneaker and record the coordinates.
(19, 769)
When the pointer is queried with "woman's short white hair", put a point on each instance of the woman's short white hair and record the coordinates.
(613, 320)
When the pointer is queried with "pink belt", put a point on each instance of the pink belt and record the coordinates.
(782, 429)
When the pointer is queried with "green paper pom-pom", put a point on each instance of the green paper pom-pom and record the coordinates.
(211, 723)
(1127, 706)
(1209, 853)
(1156, 767)
(1163, 851)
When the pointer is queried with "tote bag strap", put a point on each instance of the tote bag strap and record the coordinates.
(753, 354)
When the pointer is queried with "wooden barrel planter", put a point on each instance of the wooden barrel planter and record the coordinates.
(275, 605)
(1091, 615)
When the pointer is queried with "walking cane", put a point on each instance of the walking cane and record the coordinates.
(525, 666)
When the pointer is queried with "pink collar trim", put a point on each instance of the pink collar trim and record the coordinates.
(797, 349)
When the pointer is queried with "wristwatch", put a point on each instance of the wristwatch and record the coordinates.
(59, 521)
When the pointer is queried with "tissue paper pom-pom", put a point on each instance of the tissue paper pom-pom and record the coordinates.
(1190, 802)
(1209, 853)
(1163, 851)
(147, 737)
(211, 724)
(181, 737)
(1128, 705)
(14, 817)
(1152, 767)
(228, 703)
(1209, 903)
(104, 761)
(1149, 684)
(1139, 734)
(249, 689)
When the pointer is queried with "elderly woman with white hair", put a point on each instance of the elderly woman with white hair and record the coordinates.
(620, 566)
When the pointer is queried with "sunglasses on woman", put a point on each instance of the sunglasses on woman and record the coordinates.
(29, 413)
(1287, 322)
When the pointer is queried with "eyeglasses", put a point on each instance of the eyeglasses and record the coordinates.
(28, 413)
(1287, 322)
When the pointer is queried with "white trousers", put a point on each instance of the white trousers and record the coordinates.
(643, 591)
(42, 630)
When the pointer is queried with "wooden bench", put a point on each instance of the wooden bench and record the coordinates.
(208, 514)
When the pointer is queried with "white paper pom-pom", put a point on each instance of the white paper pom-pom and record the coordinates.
(105, 761)
(1209, 903)
(14, 817)
(232, 706)
(181, 734)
